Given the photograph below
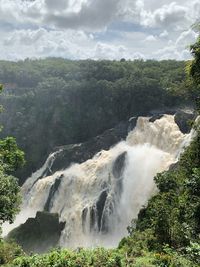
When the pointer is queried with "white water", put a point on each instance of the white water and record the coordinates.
(150, 148)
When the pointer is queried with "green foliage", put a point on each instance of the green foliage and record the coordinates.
(10, 155)
(11, 158)
(99, 257)
(172, 260)
(138, 243)
(193, 252)
(195, 64)
(193, 184)
(194, 70)
(9, 251)
(9, 197)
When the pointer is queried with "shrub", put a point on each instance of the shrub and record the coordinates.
(9, 251)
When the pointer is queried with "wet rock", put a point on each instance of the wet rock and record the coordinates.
(174, 166)
(100, 207)
(132, 123)
(96, 213)
(183, 120)
(156, 117)
(54, 188)
(93, 219)
(78, 153)
(84, 216)
(119, 165)
(38, 234)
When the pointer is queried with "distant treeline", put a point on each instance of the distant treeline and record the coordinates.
(53, 102)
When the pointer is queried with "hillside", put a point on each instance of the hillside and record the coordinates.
(54, 102)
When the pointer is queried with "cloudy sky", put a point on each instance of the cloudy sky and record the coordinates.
(112, 29)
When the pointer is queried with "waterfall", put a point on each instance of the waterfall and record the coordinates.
(99, 197)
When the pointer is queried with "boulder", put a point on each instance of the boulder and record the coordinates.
(183, 120)
(38, 234)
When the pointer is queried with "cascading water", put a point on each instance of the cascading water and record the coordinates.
(99, 197)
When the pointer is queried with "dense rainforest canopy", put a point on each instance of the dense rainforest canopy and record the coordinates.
(55, 102)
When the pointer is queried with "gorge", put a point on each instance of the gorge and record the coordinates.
(96, 199)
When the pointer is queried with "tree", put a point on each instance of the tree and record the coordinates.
(10, 155)
(195, 64)
(11, 158)
(9, 197)
(194, 69)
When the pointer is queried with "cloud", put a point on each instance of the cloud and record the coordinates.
(186, 38)
(167, 14)
(164, 16)
(98, 14)
(164, 34)
(68, 44)
(65, 14)
(24, 37)
(103, 51)
(150, 38)
(58, 5)
(91, 28)
(94, 14)
(44, 43)
(178, 49)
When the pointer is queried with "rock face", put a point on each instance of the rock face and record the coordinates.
(183, 120)
(52, 192)
(119, 165)
(156, 117)
(78, 153)
(132, 123)
(38, 234)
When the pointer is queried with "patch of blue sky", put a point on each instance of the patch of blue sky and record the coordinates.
(115, 31)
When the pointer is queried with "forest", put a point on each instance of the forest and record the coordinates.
(54, 102)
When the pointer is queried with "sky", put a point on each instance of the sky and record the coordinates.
(97, 29)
